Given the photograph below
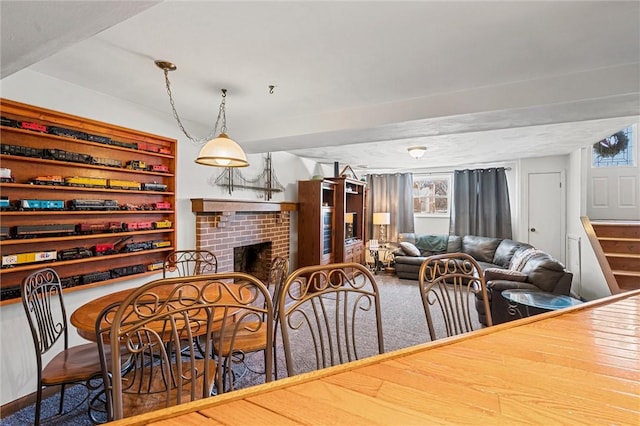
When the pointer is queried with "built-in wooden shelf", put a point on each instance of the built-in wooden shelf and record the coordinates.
(21, 254)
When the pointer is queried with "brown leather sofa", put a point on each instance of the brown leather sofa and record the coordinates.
(507, 264)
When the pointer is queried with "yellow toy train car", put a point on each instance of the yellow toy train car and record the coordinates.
(155, 266)
(11, 260)
(84, 181)
(124, 184)
(162, 224)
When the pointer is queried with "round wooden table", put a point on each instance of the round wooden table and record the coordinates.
(84, 318)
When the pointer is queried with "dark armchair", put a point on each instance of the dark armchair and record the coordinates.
(531, 270)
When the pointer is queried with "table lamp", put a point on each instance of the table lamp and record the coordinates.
(348, 220)
(382, 219)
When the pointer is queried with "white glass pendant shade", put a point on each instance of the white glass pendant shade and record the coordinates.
(222, 152)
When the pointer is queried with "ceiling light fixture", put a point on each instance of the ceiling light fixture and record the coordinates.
(417, 151)
(220, 151)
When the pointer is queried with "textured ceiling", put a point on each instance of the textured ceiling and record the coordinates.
(356, 82)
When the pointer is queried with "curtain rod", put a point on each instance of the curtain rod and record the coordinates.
(443, 172)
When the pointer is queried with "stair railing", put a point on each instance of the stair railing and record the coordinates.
(600, 255)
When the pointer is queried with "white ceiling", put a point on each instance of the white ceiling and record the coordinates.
(356, 82)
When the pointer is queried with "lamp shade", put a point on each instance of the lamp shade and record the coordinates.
(381, 218)
(417, 151)
(222, 152)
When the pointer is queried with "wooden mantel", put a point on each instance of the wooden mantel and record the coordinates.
(208, 205)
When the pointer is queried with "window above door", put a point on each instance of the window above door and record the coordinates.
(616, 150)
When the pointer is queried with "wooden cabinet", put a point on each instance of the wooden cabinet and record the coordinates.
(94, 201)
(350, 219)
(331, 221)
(316, 222)
(354, 251)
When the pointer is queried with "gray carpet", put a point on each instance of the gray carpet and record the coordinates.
(404, 325)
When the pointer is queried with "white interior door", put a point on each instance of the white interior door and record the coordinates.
(545, 218)
(614, 193)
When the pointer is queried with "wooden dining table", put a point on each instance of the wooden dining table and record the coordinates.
(84, 317)
(575, 366)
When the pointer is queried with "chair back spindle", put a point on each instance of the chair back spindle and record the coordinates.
(448, 286)
(183, 263)
(43, 303)
(329, 307)
(168, 328)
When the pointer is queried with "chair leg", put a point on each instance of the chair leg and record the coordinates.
(99, 402)
(265, 363)
(275, 363)
(36, 420)
(61, 399)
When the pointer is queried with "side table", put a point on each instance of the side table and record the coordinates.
(535, 302)
(382, 258)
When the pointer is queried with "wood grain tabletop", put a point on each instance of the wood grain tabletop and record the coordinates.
(84, 317)
(579, 365)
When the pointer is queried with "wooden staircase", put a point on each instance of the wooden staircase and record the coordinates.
(617, 248)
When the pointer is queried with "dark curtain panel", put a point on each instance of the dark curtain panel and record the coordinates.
(480, 204)
(394, 194)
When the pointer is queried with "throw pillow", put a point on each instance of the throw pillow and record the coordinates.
(491, 274)
(409, 249)
(521, 257)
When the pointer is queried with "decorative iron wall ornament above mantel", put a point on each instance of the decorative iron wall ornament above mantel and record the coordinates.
(267, 182)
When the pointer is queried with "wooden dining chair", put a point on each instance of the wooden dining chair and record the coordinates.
(183, 263)
(448, 285)
(335, 310)
(158, 324)
(253, 337)
(44, 305)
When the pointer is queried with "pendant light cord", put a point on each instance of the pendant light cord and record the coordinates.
(221, 112)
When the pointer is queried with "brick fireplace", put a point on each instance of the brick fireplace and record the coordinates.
(225, 225)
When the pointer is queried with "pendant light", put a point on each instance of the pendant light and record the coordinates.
(219, 151)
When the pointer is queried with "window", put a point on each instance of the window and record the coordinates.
(431, 194)
(615, 150)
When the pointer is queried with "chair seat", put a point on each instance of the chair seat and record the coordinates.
(251, 337)
(78, 363)
(137, 403)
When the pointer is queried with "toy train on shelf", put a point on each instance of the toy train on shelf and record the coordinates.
(77, 205)
(92, 277)
(91, 182)
(87, 182)
(75, 134)
(75, 157)
(58, 230)
(19, 259)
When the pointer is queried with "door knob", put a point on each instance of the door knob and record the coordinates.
(533, 229)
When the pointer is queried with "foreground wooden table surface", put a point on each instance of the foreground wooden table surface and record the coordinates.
(576, 366)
